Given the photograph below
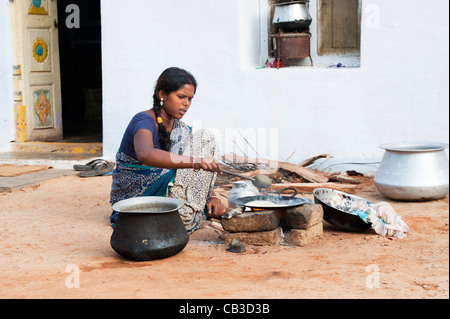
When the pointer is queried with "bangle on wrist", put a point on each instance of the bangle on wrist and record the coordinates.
(193, 164)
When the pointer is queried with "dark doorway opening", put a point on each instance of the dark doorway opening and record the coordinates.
(81, 69)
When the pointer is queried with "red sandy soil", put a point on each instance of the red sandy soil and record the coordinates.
(50, 231)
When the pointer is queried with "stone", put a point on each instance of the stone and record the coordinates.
(303, 217)
(252, 222)
(236, 247)
(304, 237)
(262, 238)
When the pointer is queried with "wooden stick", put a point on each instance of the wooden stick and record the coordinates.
(344, 179)
(311, 160)
(234, 158)
(268, 172)
(309, 175)
(287, 159)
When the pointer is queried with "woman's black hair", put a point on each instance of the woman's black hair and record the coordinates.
(171, 80)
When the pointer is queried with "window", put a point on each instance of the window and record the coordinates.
(339, 27)
(335, 32)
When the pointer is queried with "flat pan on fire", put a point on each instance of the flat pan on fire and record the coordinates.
(272, 202)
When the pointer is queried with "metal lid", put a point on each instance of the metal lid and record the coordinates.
(148, 205)
(291, 2)
(415, 146)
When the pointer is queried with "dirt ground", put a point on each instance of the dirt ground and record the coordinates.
(54, 243)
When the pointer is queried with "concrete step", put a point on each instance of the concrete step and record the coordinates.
(93, 149)
(59, 155)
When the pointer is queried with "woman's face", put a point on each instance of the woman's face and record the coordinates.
(177, 103)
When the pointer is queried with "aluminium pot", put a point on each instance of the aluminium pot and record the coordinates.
(290, 16)
(241, 189)
(413, 171)
(148, 228)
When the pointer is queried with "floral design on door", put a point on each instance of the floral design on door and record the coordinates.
(43, 108)
(40, 50)
(36, 8)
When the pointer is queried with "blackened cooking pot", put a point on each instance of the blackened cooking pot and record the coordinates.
(340, 218)
(148, 228)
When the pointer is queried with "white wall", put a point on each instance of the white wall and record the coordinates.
(400, 92)
(6, 80)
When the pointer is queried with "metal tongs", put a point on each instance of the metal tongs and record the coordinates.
(260, 181)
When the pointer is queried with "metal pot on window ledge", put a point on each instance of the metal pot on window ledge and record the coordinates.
(290, 16)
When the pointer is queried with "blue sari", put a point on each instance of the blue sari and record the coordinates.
(133, 179)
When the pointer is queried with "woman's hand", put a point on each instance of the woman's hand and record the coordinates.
(207, 164)
(215, 207)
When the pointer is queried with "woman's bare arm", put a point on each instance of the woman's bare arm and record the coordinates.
(148, 155)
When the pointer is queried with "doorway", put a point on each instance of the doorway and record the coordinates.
(79, 32)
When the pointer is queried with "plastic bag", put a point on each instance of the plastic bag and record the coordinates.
(385, 221)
